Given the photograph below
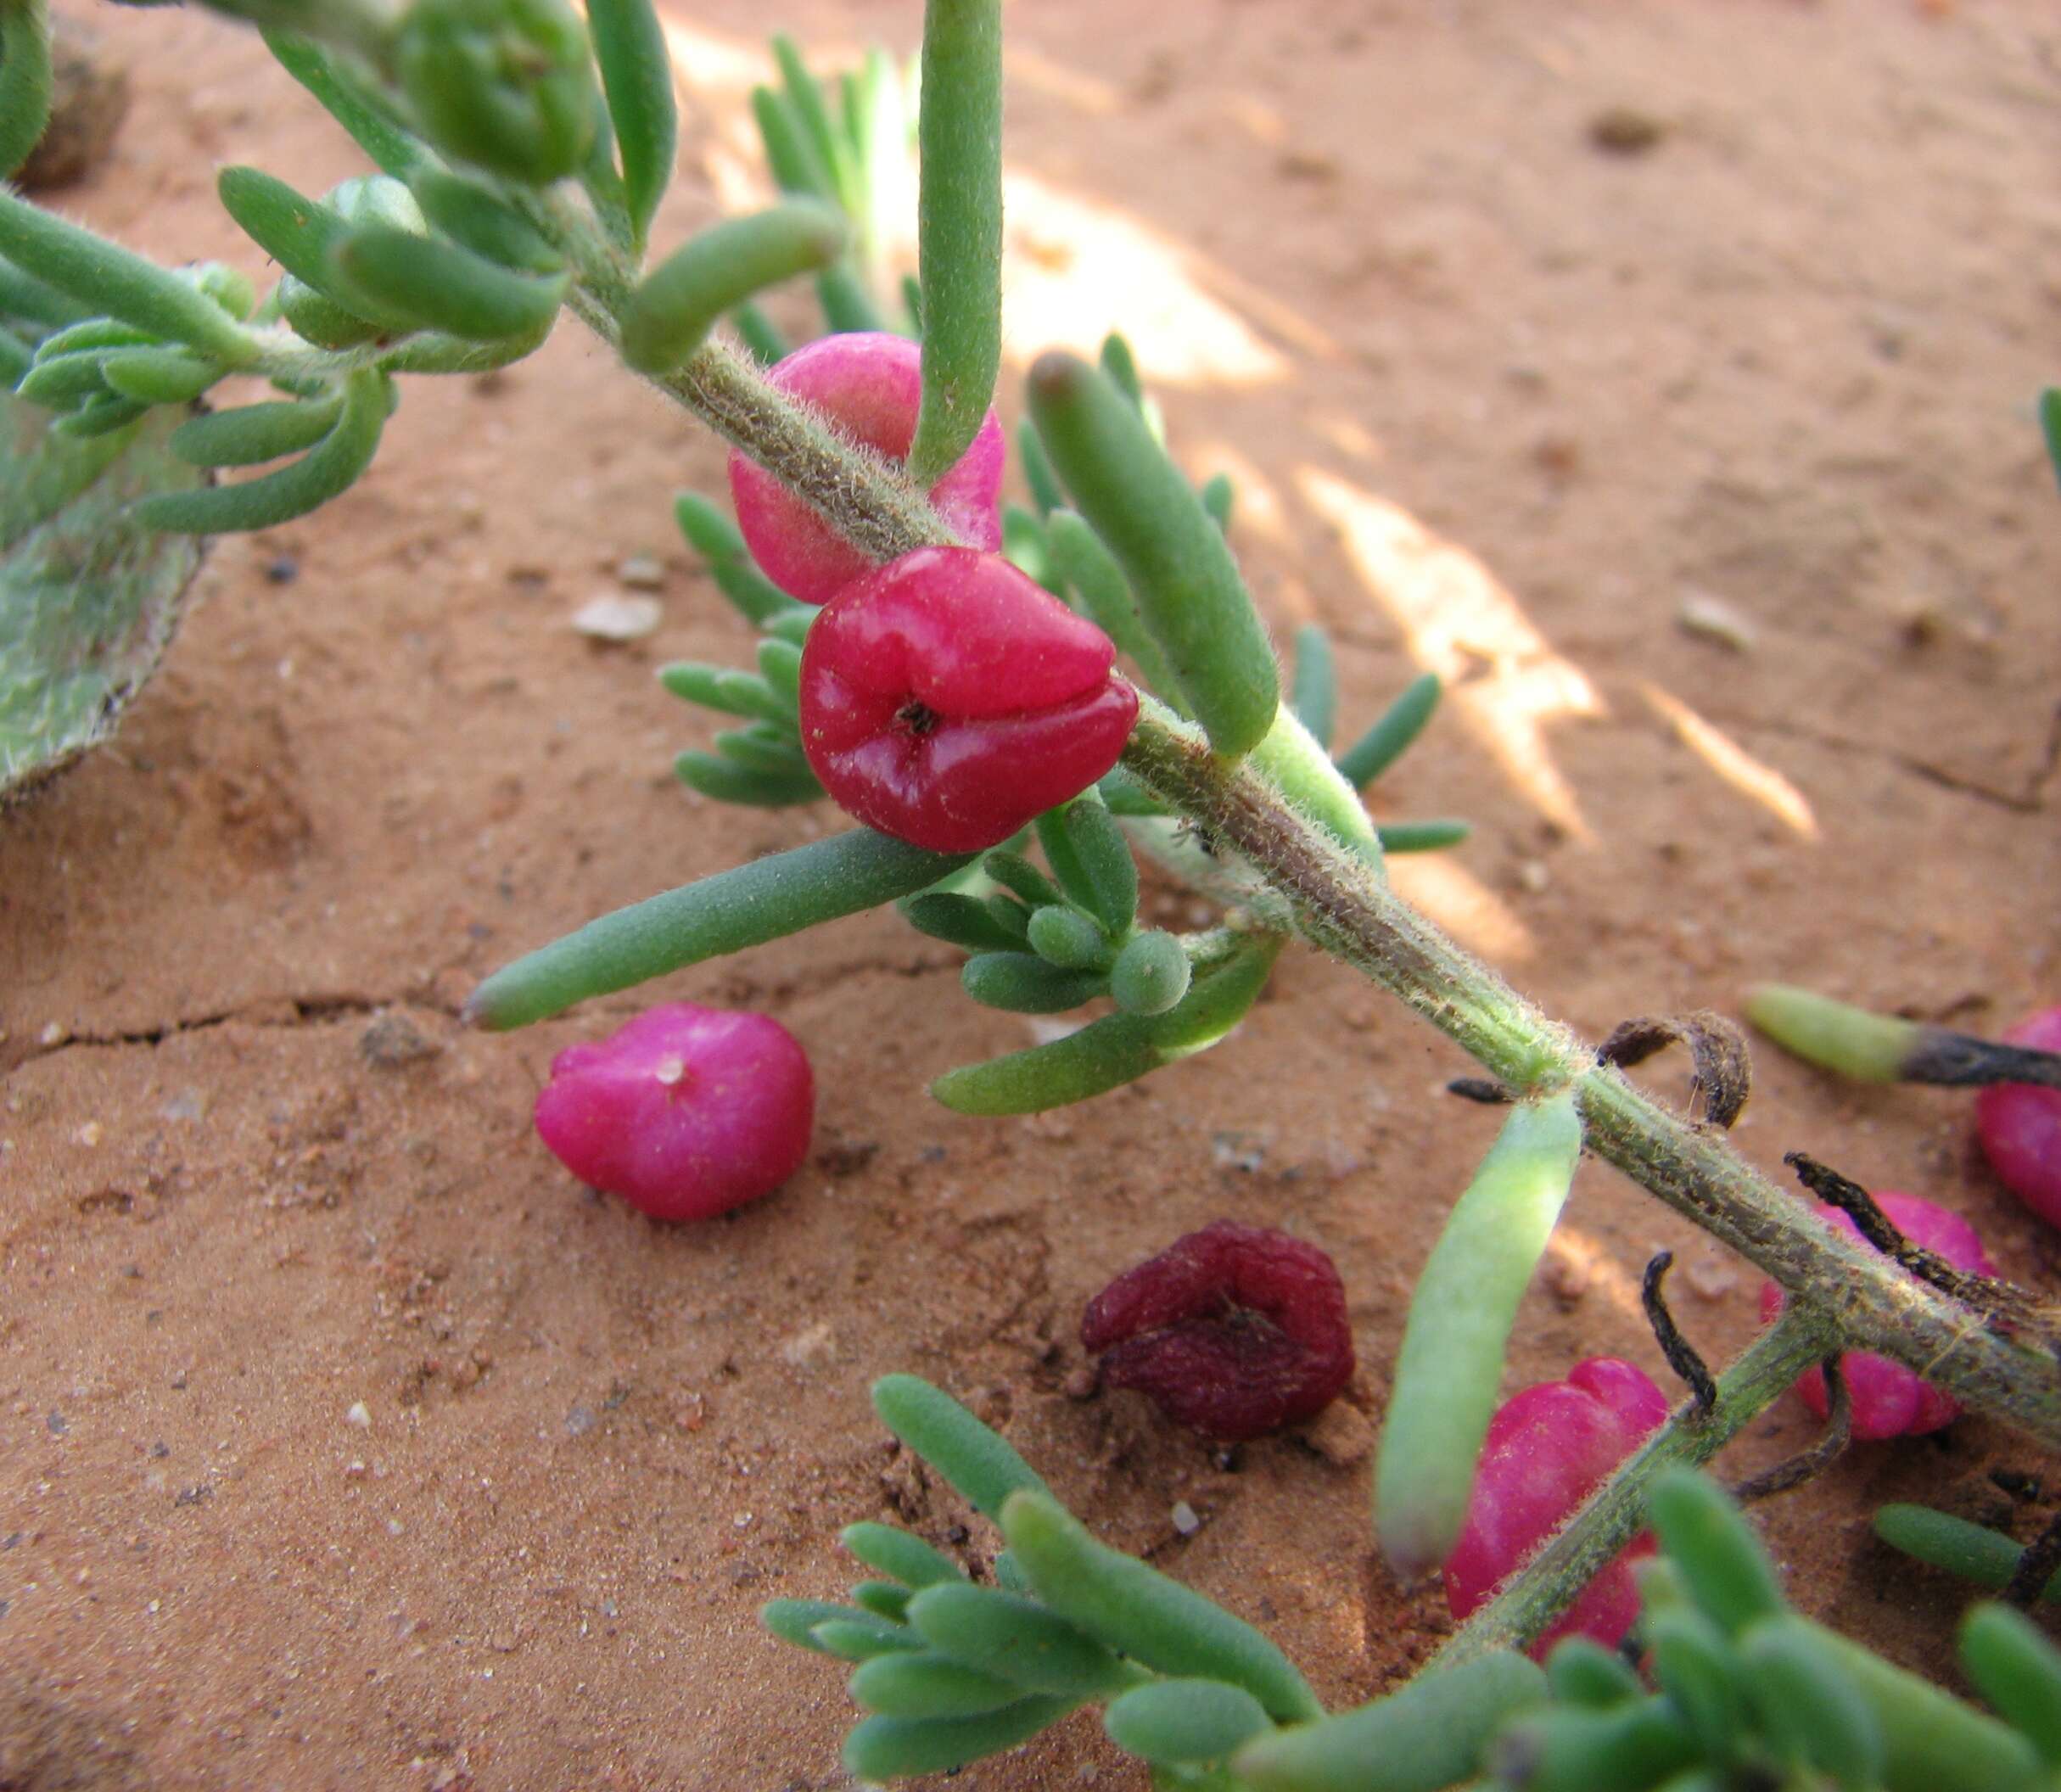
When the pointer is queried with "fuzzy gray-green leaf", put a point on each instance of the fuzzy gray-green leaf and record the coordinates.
(88, 597)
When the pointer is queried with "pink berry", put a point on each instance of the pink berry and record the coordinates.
(1233, 1331)
(948, 700)
(1888, 1400)
(2019, 1125)
(1548, 1449)
(870, 385)
(686, 1112)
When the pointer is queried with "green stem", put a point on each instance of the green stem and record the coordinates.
(1615, 1512)
(867, 499)
(1341, 904)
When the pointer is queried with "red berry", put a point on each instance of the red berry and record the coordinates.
(1233, 1331)
(2019, 1125)
(686, 1112)
(870, 384)
(947, 699)
(1888, 1400)
(1547, 1450)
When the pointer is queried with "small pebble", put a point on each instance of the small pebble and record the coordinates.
(394, 1040)
(282, 569)
(1711, 618)
(1567, 1280)
(1237, 1152)
(580, 1421)
(616, 617)
(1626, 131)
(360, 1415)
(808, 1344)
(642, 572)
(1185, 1519)
(1340, 1434)
(54, 1034)
(1711, 1277)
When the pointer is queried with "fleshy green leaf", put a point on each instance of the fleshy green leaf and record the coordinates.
(976, 1460)
(680, 302)
(1398, 725)
(325, 472)
(1177, 1721)
(115, 281)
(1189, 595)
(765, 900)
(1139, 1611)
(958, 228)
(1314, 694)
(636, 74)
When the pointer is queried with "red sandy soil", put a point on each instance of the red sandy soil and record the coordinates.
(1782, 356)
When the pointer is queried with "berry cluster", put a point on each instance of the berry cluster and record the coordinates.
(946, 698)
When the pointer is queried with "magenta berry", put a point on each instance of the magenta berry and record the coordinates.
(686, 1112)
(2019, 1125)
(1888, 1400)
(1233, 1331)
(1548, 1449)
(870, 384)
(947, 699)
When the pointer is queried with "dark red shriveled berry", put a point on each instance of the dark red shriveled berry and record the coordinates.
(1233, 1331)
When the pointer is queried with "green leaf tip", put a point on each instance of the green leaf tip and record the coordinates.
(900, 1748)
(1134, 1610)
(680, 301)
(1392, 733)
(781, 893)
(1956, 1545)
(325, 471)
(1833, 1035)
(974, 1458)
(636, 75)
(117, 282)
(958, 229)
(1188, 594)
(1428, 1735)
(436, 285)
(1450, 1366)
(1175, 1721)
(1119, 1047)
(1711, 1542)
(1018, 1640)
(2016, 1667)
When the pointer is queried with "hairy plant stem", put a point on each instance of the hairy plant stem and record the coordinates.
(1344, 906)
(1615, 1512)
(1341, 904)
(865, 497)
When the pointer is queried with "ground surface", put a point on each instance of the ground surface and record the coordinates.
(1502, 400)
